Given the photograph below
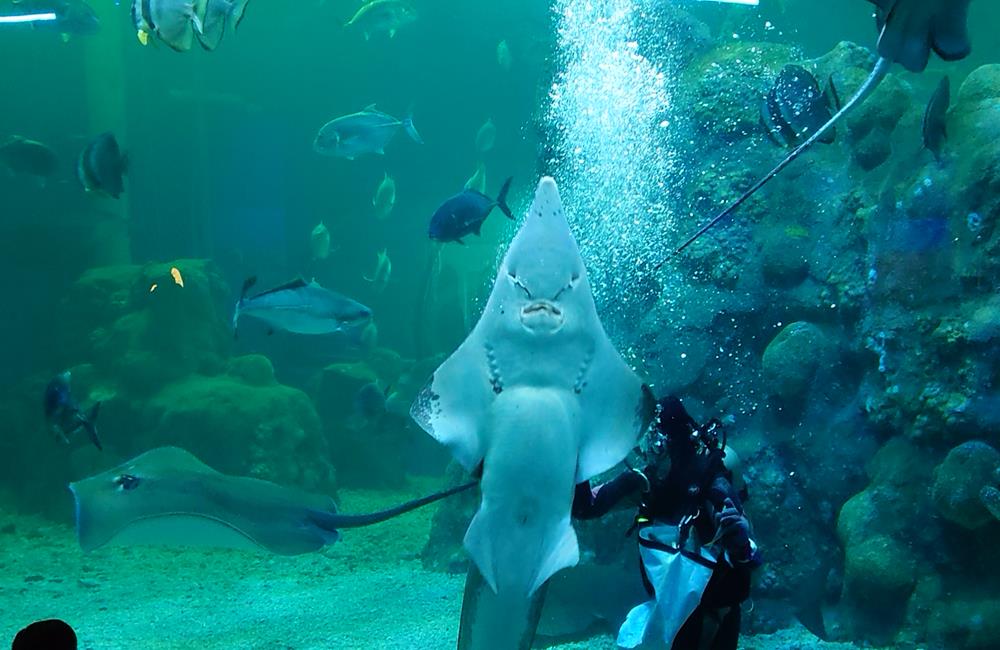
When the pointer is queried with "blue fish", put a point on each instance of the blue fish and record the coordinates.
(464, 214)
(63, 413)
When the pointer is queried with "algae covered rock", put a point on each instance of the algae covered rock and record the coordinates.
(265, 431)
(792, 358)
(959, 480)
(879, 570)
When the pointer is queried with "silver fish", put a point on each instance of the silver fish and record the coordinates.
(383, 271)
(361, 133)
(303, 307)
(385, 197)
(382, 17)
(504, 58)
(486, 136)
(319, 242)
(220, 14)
(173, 21)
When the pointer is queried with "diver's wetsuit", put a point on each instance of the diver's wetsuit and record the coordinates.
(698, 484)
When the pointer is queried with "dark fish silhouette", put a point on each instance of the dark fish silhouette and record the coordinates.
(101, 166)
(935, 118)
(64, 414)
(464, 214)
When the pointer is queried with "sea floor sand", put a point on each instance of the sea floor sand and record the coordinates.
(367, 591)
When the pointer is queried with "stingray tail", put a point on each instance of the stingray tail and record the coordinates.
(502, 198)
(333, 520)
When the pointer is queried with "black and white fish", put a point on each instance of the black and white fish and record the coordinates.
(63, 413)
(220, 15)
(795, 107)
(934, 127)
(173, 21)
(101, 166)
(366, 132)
(303, 307)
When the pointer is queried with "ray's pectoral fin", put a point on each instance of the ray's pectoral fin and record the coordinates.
(455, 400)
(617, 408)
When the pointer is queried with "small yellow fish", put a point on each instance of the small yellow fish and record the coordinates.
(176, 275)
(153, 288)
(143, 36)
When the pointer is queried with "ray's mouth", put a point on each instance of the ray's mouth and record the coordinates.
(541, 316)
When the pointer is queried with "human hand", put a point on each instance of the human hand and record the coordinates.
(734, 531)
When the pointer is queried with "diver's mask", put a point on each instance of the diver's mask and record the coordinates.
(653, 450)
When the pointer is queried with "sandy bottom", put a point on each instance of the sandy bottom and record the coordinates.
(367, 591)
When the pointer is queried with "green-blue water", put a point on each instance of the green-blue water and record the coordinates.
(843, 323)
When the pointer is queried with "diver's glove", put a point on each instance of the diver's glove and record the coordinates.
(734, 532)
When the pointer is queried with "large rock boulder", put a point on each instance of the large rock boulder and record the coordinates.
(959, 482)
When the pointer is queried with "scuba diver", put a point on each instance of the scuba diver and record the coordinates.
(695, 544)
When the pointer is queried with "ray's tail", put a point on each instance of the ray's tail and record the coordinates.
(333, 521)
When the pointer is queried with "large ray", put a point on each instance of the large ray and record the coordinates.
(539, 399)
(908, 31)
(166, 496)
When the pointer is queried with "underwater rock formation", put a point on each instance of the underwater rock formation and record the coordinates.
(792, 358)
(959, 480)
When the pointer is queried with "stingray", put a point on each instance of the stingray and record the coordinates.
(166, 496)
(536, 399)
(908, 31)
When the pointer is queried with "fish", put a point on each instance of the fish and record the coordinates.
(319, 242)
(385, 197)
(167, 496)
(302, 307)
(908, 30)
(175, 275)
(101, 166)
(29, 158)
(366, 132)
(504, 58)
(795, 107)
(934, 127)
(220, 14)
(173, 21)
(536, 400)
(383, 271)
(486, 136)
(64, 415)
(382, 17)
(477, 182)
(70, 17)
(464, 214)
